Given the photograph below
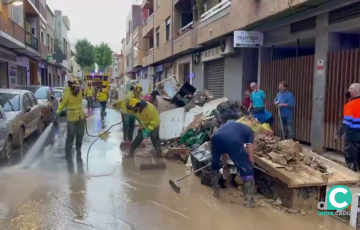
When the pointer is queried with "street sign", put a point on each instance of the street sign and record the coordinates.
(248, 39)
(320, 64)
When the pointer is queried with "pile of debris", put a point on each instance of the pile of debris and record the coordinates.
(200, 98)
(287, 153)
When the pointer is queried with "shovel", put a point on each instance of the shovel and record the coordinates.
(281, 123)
(173, 183)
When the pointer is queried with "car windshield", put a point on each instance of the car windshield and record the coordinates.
(58, 94)
(39, 92)
(14, 100)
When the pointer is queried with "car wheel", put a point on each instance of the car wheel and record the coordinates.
(20, 138)
(7, 150)
(40, 127)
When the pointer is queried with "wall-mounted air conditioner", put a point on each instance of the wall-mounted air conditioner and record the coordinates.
(226, 45)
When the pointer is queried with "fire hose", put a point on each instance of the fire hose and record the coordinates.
(97, 137)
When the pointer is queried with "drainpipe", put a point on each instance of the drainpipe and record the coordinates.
(297, 47)
(172, 35)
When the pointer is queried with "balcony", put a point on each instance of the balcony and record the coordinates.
(219, 10)
(31, 41)
(185, 39)
(147, 4)
(148, 28)
(149, 58)
(31, 7)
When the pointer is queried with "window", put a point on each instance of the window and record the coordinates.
(32, 100)
(168, 29)
(157, 37)
(48, 42)
(158, 3)
(151, 43)
(14, 100)
(16, 14)
(27, 102)
(127, 61)
(136, 50)
(72, 69)
(52, 45)
(42, 36)
(35, 100)
(64, 46)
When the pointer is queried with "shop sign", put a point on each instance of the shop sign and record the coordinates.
(211, 54)
(244, 38)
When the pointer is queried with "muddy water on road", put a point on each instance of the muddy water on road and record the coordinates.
(109, 193)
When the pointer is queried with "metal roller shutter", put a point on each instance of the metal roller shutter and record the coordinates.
(21, 75)
(214, 77)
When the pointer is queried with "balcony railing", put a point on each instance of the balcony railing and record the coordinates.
(146, 20)
(216, 9)
(185, 29)
(31, 40)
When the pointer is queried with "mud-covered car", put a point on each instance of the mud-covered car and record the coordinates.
(5, 137)
(23, 111)
(47, 101)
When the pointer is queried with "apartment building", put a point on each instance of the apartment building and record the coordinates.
(22, 25)
(224, 45)
(53, 69)
(61, 42)
(133, 20)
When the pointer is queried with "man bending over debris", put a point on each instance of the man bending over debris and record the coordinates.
(351, 128)
(230, 139)
(149, 118)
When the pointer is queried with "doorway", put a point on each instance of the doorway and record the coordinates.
(33, 67)
(4, 82)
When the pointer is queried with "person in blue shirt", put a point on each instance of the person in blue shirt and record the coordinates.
(257, 98)
(285, 101)
(230, 139)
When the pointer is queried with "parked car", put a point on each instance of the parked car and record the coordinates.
(23, 111)
(59, 94)
(5, 137)
(47, 100)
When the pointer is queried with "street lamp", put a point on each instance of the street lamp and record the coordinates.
(15, 2)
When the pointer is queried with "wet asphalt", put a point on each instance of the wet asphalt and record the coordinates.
(111, 193)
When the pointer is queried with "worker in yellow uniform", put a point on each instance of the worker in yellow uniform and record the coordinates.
(89, 94)
(129, 121)
(149, 118)
(102, 97)
(75, 121)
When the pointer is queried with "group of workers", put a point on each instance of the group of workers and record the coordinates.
(133, 107)
(232, 139)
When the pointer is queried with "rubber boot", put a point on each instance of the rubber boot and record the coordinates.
(215, 177)
(135, 144)
(79, 158)
(249, 194)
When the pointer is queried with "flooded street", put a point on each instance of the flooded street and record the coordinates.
(109, 193)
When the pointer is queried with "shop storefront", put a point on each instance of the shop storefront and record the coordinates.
(214, 71)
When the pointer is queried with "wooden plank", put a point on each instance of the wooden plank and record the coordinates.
(305, 176)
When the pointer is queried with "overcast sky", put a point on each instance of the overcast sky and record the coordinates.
(97, 20)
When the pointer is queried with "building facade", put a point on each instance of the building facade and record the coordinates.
(62, 44)
(223, 46)
(23, 46)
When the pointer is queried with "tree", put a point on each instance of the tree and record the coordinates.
(85, 53)
(103, 55)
